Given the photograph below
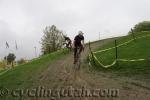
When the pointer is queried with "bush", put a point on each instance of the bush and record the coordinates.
(142, 26)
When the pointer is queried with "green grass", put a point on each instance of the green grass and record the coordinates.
(2, 71)
(123, 39)
(137, 49)
(22, 76)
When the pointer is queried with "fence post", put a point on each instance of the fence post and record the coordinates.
(116, 49)
(133, 34)
(91, 52)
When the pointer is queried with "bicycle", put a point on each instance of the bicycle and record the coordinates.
(77, 59)
(77, 64)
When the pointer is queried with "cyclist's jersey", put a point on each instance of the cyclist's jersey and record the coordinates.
(78, 40)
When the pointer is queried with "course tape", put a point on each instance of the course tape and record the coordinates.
(115, 61)
(125, 43)
(123, 60)
(105, 66)
(133, 60)
(4, 72)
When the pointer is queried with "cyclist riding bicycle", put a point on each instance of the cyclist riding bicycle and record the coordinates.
(68, 42)
(78, 43)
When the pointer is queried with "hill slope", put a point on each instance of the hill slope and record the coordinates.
(22, 75)
(133, 56)
(58, 74)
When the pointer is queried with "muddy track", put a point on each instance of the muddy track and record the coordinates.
(60, 74)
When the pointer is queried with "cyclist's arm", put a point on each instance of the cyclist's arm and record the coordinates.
(83, 43)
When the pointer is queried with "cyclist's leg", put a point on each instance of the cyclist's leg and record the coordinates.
(75, 53)
(70, 45)
(81, 48)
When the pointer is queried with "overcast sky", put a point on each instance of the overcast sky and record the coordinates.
(24, 20)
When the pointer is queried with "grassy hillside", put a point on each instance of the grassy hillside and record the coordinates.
(22, 76)
(138, 49)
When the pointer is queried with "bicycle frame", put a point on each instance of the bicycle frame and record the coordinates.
(78, 59)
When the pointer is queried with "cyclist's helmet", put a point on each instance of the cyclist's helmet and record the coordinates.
(80, 33)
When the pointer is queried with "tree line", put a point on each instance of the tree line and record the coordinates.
(52, 40)
(142, 26)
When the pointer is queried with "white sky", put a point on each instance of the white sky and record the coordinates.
(24, 20)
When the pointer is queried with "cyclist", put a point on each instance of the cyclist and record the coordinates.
(78, 42)
(68, 42)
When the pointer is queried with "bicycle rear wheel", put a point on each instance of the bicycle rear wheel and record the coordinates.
(78, 60)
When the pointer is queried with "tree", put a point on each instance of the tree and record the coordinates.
(10, 58)
(52, 39)
(142, 26)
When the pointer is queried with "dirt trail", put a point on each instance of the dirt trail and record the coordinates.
(61, 75)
